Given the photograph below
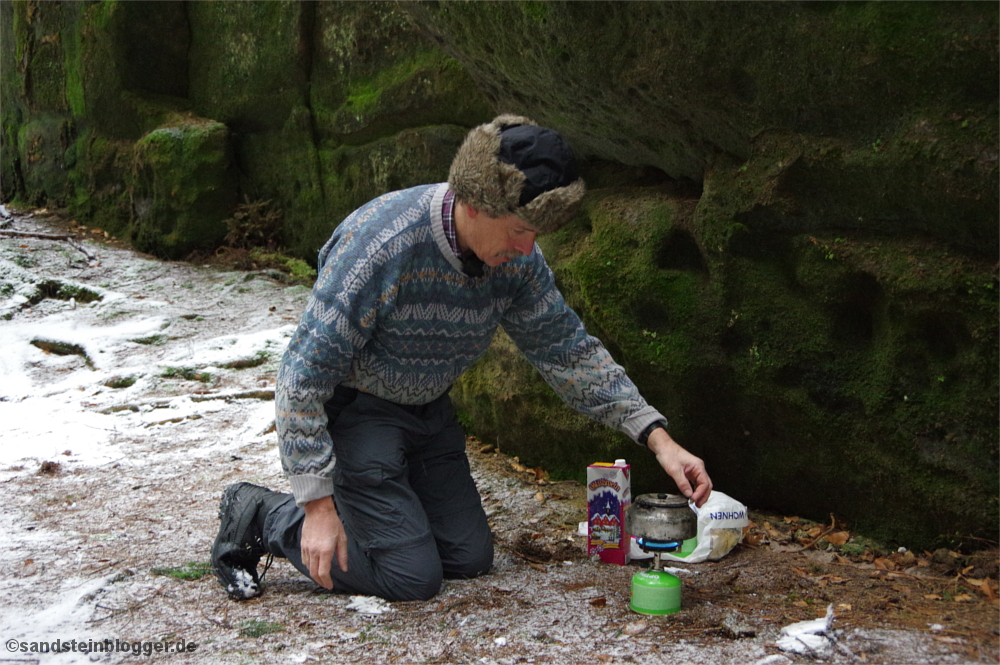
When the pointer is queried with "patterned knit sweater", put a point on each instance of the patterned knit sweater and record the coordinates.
(393, 314)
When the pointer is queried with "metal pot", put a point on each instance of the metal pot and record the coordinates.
(660, 519)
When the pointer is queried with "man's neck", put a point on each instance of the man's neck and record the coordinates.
(462, 223)
(471, 264)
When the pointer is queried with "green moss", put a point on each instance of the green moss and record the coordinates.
(255, 628)
(151, 340)
(186, 373)
(297, 268)
(535, 10)
(118, 382)
(255, 360)
(364, 93)
(252, 60)
(97, 183)
(189, 572)
(182, 187)
(74, 73)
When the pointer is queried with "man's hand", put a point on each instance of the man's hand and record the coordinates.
(323, 536)
(686, 469)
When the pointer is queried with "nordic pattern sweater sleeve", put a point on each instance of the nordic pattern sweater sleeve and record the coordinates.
(576, 365)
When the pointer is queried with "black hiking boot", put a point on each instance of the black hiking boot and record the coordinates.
(240, 545)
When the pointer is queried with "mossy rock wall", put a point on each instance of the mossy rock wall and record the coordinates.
(790, 239)
(324, 106)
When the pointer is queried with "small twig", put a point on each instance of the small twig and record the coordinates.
(826, 532)
(80, 249)
(735, 565)
(106, 566)
(221, 624)
(114, 611)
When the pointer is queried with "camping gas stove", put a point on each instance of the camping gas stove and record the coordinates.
(660, 523)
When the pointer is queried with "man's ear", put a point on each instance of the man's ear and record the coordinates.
(470, 212)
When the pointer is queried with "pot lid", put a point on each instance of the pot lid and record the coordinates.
(661, 501)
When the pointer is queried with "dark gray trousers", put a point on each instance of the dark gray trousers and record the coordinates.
(405, 495)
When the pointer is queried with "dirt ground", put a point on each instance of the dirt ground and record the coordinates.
(113, 543)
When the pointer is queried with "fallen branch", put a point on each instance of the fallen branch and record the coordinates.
(31, 234)
(49, 236)
(266, 395)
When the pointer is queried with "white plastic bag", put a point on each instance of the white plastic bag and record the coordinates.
(720, 528)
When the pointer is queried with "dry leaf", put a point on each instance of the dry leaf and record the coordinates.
(576, 586)
(838, 538)
(815, 531)
(844, 607)
(884, 564)
(771, 531)
(800, 603)
(791, 520)
(539, 497)
(963, 598)
(599, 602)
(985, 586)
(932, 596)
(833, 579)
(949, 640)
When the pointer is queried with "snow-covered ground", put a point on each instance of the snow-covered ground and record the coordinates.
(120, 363)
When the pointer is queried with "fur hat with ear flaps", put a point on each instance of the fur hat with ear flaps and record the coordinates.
(511, 166)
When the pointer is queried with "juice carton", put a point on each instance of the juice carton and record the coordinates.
(609, 493)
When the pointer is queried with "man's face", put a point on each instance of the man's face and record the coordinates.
(497, 240)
